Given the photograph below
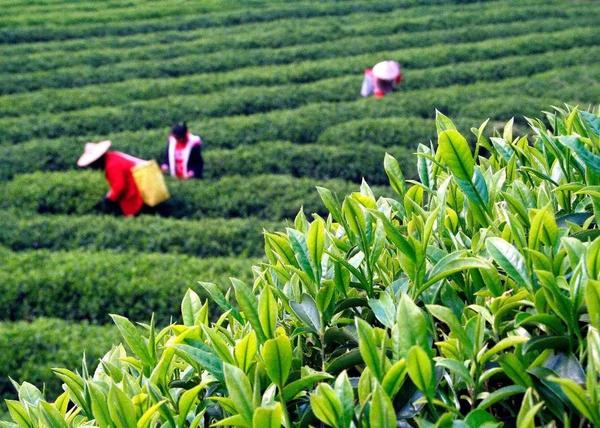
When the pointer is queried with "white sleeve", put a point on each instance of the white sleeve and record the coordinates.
(367, 86)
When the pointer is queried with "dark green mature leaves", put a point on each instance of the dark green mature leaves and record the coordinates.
(510, 260)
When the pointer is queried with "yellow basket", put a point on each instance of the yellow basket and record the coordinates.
(150, 182)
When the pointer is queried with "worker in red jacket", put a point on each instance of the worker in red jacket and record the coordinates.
(381, 79)
(123, 194)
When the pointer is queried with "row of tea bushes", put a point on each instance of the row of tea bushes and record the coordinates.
(79, 75)
(82, 285)
(350, 161)
(30, 350)
(83, 29)
(239, 82)
(272, 197)
(306, 123)
(284, 33)
(200, 238)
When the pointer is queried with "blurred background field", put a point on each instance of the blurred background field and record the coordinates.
(273, 89)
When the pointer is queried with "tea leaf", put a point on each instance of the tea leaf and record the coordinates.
(277, 355)
(382, 412)
(240, 391)
(267, 416)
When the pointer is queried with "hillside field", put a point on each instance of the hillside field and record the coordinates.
(272, 87)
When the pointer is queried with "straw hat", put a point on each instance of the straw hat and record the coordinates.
(93, 152)
(386, 70)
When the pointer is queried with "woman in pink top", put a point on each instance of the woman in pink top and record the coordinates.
(183, 157)
(381, 79)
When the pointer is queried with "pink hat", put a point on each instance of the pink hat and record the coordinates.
(93, 152)
(386, 70)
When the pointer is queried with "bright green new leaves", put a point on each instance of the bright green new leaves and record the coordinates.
(394, 174)
(190, 307)
(410, 328)
(454, 151)
(578, 397)
(368, 348)
(120, 408)
(327, 406)
(315, 242)
(267, 312)
(245, 350)
(394, 378)
(592, 259)
(452, 263)
(249, 306)
(592, 300)
(420, 369)
(543, 228)
(267, 416)
(277, 355)
(240, 392)
(134, 339)
(382, 412)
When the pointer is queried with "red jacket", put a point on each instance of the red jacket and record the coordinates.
(123, 189)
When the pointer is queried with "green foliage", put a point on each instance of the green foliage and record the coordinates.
(29, 350)
(245, 100)
(154, 20)
(351, 161)
(80, 193)
(203, 237)
(470, 299)
(81, 285)
(503, 20)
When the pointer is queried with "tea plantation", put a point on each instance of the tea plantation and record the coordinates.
(272, 87)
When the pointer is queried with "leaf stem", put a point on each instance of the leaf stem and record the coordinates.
(286, 416)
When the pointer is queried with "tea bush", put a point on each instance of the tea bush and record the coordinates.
(291, 31)
(256, 99)
(306, 123)
(351, 161)
(201, 238)
(82, 285)
(228, 60)
(29, 350)
(117, 93)
(236, 17)
(81, 192)
(471, 298)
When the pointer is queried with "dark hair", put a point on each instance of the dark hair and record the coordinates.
(179, 131)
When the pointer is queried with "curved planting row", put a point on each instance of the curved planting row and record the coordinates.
(279, 34)
(332, 123)
(82, 285)
(305, 124)
(167, 10)
(265, 196)
(351, 161)
(30, 350)
(215, 36)
(17, 7)
(421, 74)
(233, 59)
(236, 17)
(201, 238)
(252, 100)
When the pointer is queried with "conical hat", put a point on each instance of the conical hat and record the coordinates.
(93, 152)
(386, 70)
